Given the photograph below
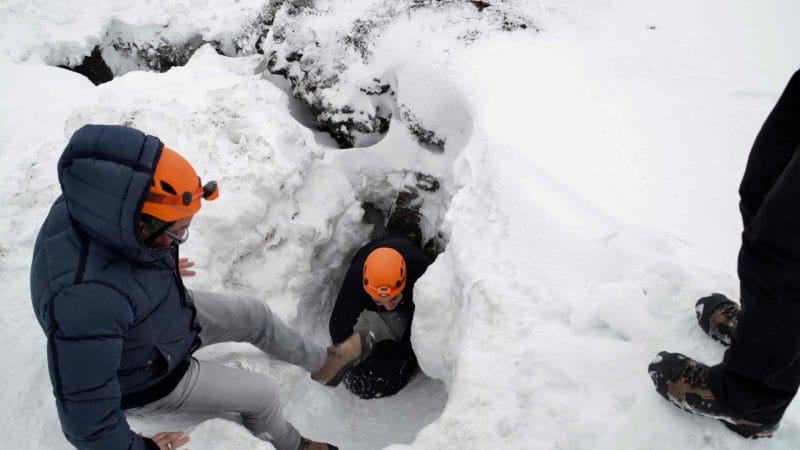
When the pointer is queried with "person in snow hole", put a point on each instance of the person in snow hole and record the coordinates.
(376, 301)
(121, 327)
(753, 385)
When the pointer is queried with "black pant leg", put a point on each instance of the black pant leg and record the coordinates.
(760, 372)
(388, 369)
(774, 146)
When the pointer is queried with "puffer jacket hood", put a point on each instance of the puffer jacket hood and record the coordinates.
(113, 166)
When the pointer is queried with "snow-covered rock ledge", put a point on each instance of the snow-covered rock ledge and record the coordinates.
(340, 60)
(329, 54)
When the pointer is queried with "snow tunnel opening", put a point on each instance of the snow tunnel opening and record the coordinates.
(400, 165)
(337, 415)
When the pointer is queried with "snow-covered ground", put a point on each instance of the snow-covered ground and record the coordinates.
(591, 158)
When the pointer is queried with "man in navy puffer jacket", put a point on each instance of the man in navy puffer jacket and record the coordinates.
(107, 290)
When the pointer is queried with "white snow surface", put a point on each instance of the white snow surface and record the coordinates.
(589, 197)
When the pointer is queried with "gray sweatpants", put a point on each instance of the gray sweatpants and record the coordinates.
(213, 388)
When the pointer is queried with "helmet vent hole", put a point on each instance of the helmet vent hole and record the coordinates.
(366, 282)
(166, 187)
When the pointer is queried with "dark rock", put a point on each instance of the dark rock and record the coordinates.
(307, 78)
(427, 183)
(378, 89)
(517, 23)
(294, 56)
(469, 36)
(161, 57)
(251, 39)
(342, 131)
(433, 247)
(360, 36)
(480, 5)
(297, 7)
(426, 137)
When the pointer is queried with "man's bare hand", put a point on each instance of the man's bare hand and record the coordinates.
(170, 440)
(183, 267)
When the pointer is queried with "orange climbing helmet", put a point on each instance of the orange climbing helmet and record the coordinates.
(384, 273)
(176, 189)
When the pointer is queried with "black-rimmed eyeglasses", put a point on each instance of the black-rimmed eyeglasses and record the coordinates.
(178, 239)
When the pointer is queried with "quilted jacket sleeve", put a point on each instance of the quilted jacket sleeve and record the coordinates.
(89, 323)
(348, 307)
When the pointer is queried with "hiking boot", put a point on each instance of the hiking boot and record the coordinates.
(343, 356)
(307, 444)
(684, 382)
(717, 316)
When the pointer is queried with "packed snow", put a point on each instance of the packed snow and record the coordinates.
(588, 164)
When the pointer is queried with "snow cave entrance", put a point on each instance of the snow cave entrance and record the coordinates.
(396, 165)
(335, 414)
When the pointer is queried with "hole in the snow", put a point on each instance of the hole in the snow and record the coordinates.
(339, 416)
(94, 68)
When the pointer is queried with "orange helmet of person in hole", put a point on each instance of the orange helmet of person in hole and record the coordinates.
(176, 189)
(384, 273)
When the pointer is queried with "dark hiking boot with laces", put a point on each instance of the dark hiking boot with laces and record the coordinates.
(717, 316)
(308, 444)
(684, 382)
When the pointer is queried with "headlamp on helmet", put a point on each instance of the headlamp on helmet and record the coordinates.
(176, 189)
